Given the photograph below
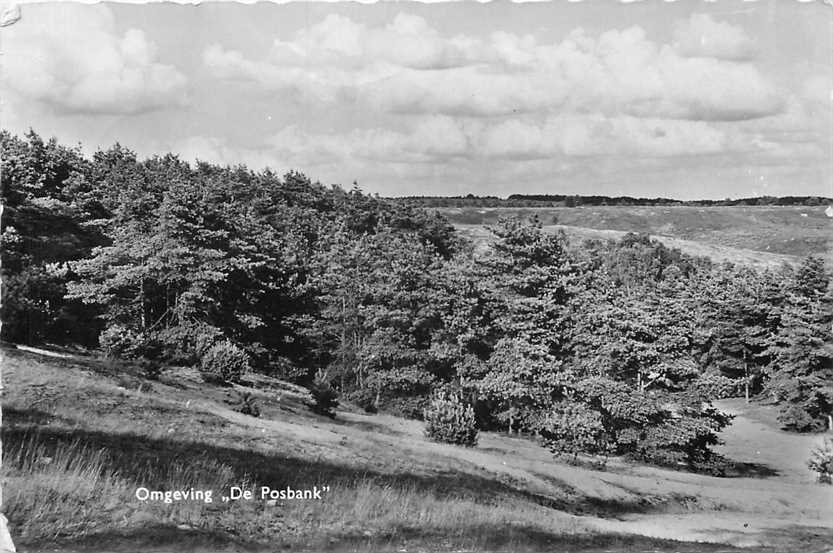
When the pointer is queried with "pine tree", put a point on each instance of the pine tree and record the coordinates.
(46, 223)
(801, 375)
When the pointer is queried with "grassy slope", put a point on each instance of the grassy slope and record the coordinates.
(756, 235)
(80, 436)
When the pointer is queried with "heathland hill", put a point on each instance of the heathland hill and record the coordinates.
(85, 434)
(753, 235)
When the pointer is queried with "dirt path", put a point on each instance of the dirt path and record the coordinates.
(754, 437)
(773, 509)
(780, 506)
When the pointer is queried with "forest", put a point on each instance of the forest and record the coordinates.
(598, 347)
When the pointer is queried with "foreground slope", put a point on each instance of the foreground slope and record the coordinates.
(81, 435)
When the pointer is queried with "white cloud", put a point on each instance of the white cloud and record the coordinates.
(445, 141)
(602, 136)
(702, 36)
(86, 67)
(817, 91)
(407, 41)
(408, 67)
(218, 150)
(432, 138)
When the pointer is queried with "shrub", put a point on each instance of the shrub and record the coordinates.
(204, 338)
(286, 369)
(821, 461)
(684, 440)
(797, 417)
(407, 407)
(717, 386)
(150, 368)
(674, 429)
(224, 362)
(365, 399)
(449, 420)
(573, 428)
(248, 405)
(118, 341)
(185, 344)
(324, 397)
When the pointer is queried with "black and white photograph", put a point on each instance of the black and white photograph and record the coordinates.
(416, 277)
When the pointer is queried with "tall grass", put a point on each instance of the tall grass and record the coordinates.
(69, 490)
(54, 491)
(70, 472)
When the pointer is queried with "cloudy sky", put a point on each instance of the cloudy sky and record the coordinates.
(686, 99)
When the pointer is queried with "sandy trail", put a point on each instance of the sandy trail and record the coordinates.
(776, 510)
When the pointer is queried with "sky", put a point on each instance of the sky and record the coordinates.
(683, 99)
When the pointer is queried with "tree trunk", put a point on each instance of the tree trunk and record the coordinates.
(142, 304)
(359, 365)
(343, 339)
(746, 377)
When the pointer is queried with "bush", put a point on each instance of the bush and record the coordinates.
(324, 397)
(797, 417)
(449, 420)
(407, 407)
(674, 429)
(821, 461)
(205, 337)
(365, 399)
(150, 368)
(573, 428)
(716, 386)
(248, 405)
(683, 441)
(224, 362)
(185, 344)
(284, 368)
(118, 341)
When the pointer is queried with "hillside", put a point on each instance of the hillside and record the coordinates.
(481, 236)
(81, 435)
(754, 235)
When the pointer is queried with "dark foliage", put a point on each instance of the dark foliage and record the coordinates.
(324, 398)
(613, 347)
(364, 398)
(150, 368)
(247, 404)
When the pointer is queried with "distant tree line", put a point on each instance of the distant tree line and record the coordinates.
(605, 347)
(563, 200)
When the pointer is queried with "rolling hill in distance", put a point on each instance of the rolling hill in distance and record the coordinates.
(753, 235)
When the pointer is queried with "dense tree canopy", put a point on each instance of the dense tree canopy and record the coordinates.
(611, 347)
